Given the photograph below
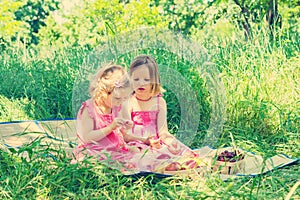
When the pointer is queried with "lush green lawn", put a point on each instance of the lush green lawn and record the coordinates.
(261, 81)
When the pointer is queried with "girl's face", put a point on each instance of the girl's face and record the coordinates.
(119, 95)
(141, 80)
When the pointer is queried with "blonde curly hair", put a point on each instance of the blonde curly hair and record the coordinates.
(106, 79)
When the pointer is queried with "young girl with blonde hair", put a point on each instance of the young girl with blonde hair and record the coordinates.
(99, 129)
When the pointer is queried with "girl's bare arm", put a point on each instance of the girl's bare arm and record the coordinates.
(162, 124)
(85, 126)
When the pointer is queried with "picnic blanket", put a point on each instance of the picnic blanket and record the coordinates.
(59, 132)
(63, 133)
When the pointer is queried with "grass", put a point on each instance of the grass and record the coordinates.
(42, 177)
(261, 80)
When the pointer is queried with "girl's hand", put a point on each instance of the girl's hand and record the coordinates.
(117, 122)
(147, 140)
(127, 125)
(155, 142)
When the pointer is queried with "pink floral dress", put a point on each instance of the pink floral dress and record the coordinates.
(112, 147)
(145, 125)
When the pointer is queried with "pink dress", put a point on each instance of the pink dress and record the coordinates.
(145, 125)
(111, 147)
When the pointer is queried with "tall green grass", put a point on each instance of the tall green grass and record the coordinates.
(261, 79)
(44, 77)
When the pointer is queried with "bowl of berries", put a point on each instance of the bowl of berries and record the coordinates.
(229, 162)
